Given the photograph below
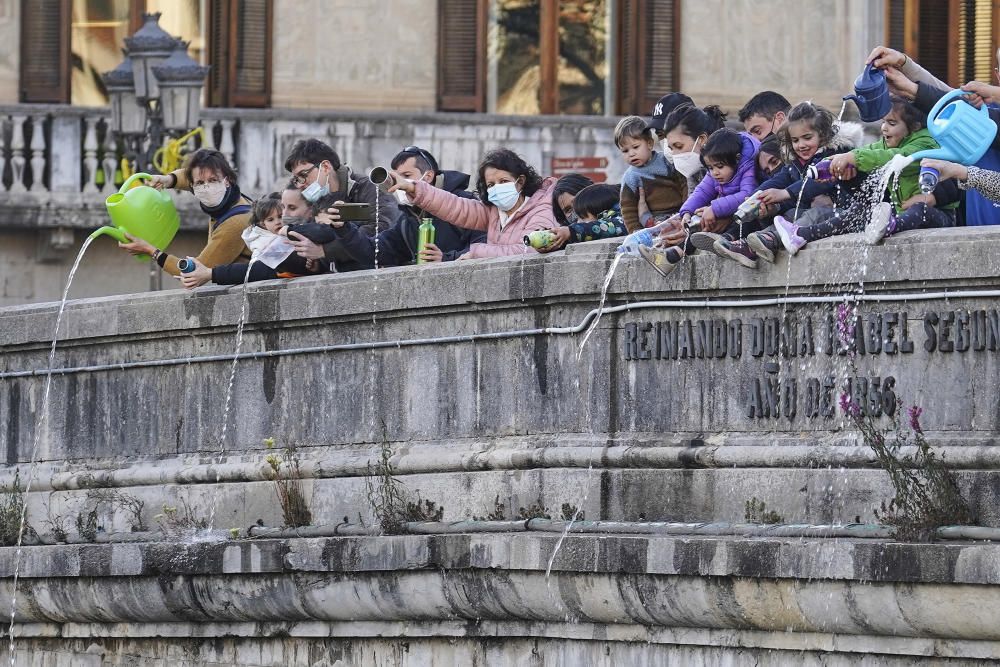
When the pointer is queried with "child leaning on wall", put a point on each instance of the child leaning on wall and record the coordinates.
(266, 236)
(730, 158)
(810, 136)
(903, 133)
(664, 188)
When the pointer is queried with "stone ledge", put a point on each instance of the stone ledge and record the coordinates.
(415, 631)
(813, 559)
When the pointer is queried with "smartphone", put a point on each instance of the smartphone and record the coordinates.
(355, 212)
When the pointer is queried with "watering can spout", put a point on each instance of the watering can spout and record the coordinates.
(113, 232)
(935, 154)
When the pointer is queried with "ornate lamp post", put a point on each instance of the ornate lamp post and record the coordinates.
(155, 91)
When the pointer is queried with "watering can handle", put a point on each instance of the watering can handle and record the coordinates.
(945, 99)
(128, 181)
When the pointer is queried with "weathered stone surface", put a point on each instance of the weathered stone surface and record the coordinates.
(476, 383)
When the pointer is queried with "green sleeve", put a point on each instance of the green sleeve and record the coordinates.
(871, 157)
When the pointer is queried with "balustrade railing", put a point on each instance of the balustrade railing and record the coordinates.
(58, 157)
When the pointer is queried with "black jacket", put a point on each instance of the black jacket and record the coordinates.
(235, 274)
(356, 189)
(397, 246)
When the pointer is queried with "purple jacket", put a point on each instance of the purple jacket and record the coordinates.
(725, 198)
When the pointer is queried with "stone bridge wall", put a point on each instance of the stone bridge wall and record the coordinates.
(478, 386)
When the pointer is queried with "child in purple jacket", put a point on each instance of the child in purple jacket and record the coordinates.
(731, 160)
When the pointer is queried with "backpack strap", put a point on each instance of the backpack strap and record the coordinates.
(239, 209)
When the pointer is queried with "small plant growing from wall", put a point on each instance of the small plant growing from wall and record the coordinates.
(11, 513)
(926, 493)
(102, 502)
(387, 495)
(176, 520)
(755, 511)
(287, 480)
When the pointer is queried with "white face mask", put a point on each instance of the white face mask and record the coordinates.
(666, 151)
(402, 198)
(688, 163)
(211, 194)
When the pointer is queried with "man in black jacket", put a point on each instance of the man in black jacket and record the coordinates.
(317, 171)
(397, 246)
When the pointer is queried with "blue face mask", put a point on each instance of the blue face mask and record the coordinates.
(314, 191)
(503, 195)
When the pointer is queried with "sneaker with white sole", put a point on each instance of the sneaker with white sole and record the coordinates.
(705, 240)
(764, 243)
(881, 224)
(788, 232)
(663, 260)
(737, 250)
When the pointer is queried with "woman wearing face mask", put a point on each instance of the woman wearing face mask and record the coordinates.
(208, 175)
(686, 130)
(513, 201)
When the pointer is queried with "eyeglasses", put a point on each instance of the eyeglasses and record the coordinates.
(424, 155)
(300, 178)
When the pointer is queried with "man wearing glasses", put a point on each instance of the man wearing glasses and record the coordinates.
(397, 246)
(317, 171)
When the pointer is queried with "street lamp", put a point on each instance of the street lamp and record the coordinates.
(148, 47)
(128, 117)
(155, 91)
(180, 79)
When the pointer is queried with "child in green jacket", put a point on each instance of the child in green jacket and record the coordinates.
(903, 133)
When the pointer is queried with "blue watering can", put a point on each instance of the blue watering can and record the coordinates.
(871, 94)
(963, 132)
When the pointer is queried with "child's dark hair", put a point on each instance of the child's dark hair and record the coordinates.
(632, 127)
(596, 199)
(694, 122)
(770, 146)
(817, 117)
(765, 103)
(913, 118)
(509, 161)
(570, 184)
(264, 207)
(723, 146)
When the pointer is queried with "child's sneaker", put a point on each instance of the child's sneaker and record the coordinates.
(765, 244)
(664, 260)
(788, 232)
(704, 240)
(737, 251)
(882, 224)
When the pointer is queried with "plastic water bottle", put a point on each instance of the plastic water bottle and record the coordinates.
(539, 238)
(928, 179)
(820, 171)
(630, 244)
(751, 209)
(186, 265)
(425, 235)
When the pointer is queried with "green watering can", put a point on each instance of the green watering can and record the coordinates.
(143, 212)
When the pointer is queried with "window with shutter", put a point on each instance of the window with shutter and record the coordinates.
(45, 55)
(648, 53)
(239, 48)
(461, 81)
(953, 39)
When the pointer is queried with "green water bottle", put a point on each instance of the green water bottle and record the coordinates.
(425, 235)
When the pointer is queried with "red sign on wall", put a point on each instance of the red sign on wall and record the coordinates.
(585, 166)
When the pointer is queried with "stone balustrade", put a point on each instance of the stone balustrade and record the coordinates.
(58, 163)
